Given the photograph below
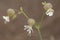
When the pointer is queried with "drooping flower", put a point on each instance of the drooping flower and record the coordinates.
(6, 19)
(49, 8)
(28, 27)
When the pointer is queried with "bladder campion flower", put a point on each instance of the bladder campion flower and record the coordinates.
(28, 27)
(11, 15)
(49, 8)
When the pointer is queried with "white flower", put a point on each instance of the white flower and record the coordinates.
(50, 12)
(6, 18)
(28, 29)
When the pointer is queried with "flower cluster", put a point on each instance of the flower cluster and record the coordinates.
(30, 21)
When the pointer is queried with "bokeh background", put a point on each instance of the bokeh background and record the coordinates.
(14, 30)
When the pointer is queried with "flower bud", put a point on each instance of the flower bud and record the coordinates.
(21, 8)
(31, 22)
(43, 3)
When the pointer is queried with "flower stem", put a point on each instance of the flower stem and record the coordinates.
(25, 14)
(40, 26)
(42, 19)
(22, 11)
(40, 36)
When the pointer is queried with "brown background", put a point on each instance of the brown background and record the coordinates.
(33, 8)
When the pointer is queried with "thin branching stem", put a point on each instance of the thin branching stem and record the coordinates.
(42, 19)
(40, 26)
(40, 36)
(25, 14)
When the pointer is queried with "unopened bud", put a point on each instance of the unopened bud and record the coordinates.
(44, 3)
(21, 8)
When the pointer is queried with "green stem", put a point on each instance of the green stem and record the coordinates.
(22, 11)
(40, 26)
(42, 19)
(25, 14)
(40, 36)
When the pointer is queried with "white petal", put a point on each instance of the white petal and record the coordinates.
(6, 18)
(50, 13)
(29, 32)
(47, 13)
(26, 27)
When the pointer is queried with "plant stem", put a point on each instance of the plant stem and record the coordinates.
(42, 19)
(25, 14)
(40, 36)
(40, 26)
